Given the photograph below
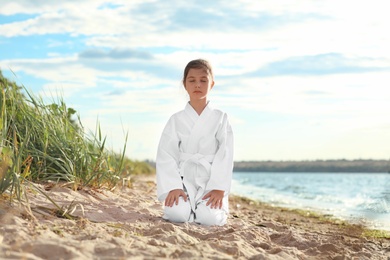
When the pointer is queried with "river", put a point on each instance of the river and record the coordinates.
(357, 197)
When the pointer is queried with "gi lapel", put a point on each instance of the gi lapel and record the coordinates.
(199, 128)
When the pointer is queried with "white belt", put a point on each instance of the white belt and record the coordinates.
(197, 158)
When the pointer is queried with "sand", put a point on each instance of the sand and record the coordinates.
(126, 223)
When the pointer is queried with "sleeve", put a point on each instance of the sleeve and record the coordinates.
(222, 167)
(167, 162)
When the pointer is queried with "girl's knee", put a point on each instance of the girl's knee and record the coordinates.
(178, 213)
(207, 216)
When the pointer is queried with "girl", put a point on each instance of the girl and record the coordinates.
(195, 155)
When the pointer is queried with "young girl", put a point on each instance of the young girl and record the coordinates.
(195, 155)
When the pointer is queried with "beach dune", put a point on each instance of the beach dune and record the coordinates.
(126, 223)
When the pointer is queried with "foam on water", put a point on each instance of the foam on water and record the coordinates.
(356, 197)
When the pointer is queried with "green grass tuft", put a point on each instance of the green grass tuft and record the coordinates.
(42, 142)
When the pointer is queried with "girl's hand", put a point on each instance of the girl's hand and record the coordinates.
(173, 197)
(215, 198)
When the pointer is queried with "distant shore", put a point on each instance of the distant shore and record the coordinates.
(342, 165)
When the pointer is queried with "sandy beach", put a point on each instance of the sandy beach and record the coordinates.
(126, 223)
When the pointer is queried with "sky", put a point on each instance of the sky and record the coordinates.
(300, 80)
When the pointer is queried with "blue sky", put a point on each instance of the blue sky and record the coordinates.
(300, 80)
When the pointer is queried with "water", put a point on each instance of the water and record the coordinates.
(356, 197)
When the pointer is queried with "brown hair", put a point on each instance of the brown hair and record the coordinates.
(198, 64)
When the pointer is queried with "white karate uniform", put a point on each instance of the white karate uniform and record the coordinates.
(195, 154)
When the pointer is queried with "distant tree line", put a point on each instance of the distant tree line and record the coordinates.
(314, 166)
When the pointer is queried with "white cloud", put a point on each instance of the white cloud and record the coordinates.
(309, 64)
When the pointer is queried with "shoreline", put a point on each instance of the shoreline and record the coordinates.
(361, 200)
(290, 213)
(318, 213)
(126, 223)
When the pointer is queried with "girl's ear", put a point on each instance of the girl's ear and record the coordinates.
(212, 84)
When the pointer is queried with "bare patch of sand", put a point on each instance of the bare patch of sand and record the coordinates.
(127, 224)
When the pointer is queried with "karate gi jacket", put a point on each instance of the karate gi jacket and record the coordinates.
(195, 151)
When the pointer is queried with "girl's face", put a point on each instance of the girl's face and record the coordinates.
(198, 84)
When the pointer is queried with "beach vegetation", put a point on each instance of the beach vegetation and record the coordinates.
(46, 141)
(374, 233)
(299, 215)
(357, 230)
